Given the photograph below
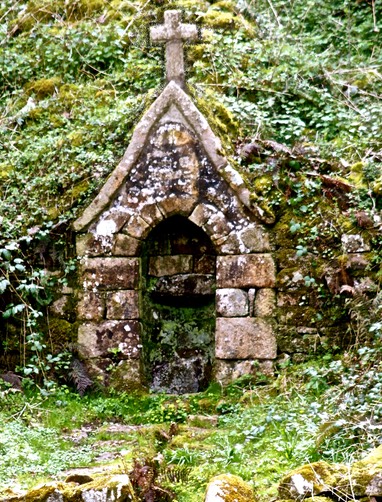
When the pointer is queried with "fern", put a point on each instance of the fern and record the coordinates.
(80, 376)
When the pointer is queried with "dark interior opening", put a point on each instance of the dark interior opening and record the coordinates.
(178, 303)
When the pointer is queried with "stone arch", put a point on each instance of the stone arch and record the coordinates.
(178, 306)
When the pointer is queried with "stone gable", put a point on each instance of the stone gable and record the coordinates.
(172, 229)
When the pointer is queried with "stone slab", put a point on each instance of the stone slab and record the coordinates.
(109, 337)
(160, 266)
(232, 302)
(265, 302)
(125, 245)
(185, 285)
(245, 271)
(244, 338)
(205, 264)
(122, 305)
(136, 227)
(90, 245)
(91, 306)
(228, 371)
(110, 273)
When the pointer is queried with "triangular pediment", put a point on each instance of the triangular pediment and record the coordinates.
(172, 106)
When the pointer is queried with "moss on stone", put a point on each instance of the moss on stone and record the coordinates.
(311, 479)
(62, 332)
(220, 119)
(230, 488)
(44, 87)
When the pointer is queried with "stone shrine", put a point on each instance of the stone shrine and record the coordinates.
(177, 276)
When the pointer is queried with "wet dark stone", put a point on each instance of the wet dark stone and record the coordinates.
(190, 285)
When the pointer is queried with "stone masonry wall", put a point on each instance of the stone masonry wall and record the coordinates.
(173, 176)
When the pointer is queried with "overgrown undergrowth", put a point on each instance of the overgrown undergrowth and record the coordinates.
(257, 431)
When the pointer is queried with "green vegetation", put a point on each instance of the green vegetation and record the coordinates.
(258, 432)
(294, 90)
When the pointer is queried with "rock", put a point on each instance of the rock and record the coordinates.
(114, 487)
(244, 338)
(227, 488)
(245, 271)
(108, 337)
(122, 305)
(231, 302)
(265, 302)
(170, 265)
(125, 245)
(185, 285)
(91, 306)
(312, 479)
(110, 273)
(354, 243)
(365, 475)
(374, 488)
(227, 371)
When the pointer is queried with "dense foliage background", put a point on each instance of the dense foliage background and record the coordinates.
(294, 90)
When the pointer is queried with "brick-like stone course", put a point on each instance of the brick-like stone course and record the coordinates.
(245, 271)
(122, 305)
(100, 339)
(91, 306)
(244, 338)
(265, 302)
(110, 273)
(170, 265)
(232, 302)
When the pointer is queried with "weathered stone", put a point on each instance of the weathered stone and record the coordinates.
(255, 239)
(265, 302)
(291, 279)
(136, 227)
(122, 305)
(299, 316)
(244, 338)
(357, 261)
(126, 376)
(91, 306)
(61, 307)
(312, 479)
(111, 221)
(151, 214)
(289, 340)
(202, 213)
(354, 243)
(245, 271)
(125, 245)
(251, 299)
(231, 302)
(177, 205)
(185, 285)
(110, 273)
(206, 264)
(104, 488)
(228, 371)
(217, 226)
(170, 265)
(227, 487)
(180, 375)
(105, 338)
(90, 245)
(362, 473)
(291, 299)
(374, 488)
(173, 32)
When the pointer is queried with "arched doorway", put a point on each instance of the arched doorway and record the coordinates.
(178, 307)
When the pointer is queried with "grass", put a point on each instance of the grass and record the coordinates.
(262, 432)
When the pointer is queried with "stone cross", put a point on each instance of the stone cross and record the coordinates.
(174, 33)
